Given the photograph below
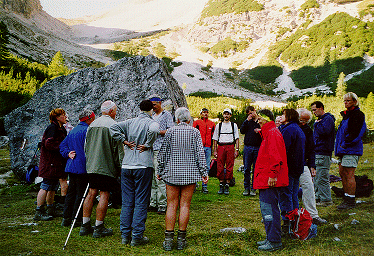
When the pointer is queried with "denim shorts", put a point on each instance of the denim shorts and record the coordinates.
(50, 184)
(349, 160)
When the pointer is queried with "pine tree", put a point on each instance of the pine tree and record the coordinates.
(57, 66)
(4, 40)
(341, 88)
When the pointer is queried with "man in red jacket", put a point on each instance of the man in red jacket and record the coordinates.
(206, 128)
(271, 174)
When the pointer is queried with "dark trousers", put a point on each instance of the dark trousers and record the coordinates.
(269, 205)
(288, 198)
(77, 187)
(136, 193)
(249, 159)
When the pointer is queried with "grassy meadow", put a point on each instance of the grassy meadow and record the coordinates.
(20, 235)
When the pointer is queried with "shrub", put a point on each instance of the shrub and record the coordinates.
(265, 74)
(190, 75)
(218, 7)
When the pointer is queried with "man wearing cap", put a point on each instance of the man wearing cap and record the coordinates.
(206, 128)
(165, 120)
(72, 148)
(252, 143)
(226, 149)
(103, 163)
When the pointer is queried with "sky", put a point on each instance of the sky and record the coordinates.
(77, 8)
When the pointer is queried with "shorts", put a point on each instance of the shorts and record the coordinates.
(103, 182)
(50, 184)
(349, 160)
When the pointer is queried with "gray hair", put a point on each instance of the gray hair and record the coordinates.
(183, 114)
(84, 113)
(304, 111)
(107, 106)
(353, 96)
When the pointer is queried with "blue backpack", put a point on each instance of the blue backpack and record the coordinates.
(32, 170)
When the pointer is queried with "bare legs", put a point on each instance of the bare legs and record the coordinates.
(45, 196)
(348, 179)
(178, 196)
(102, 206)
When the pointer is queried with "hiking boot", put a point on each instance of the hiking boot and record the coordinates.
(204, 190)
(161, 210)
(253, 192)
(227, 189)
(51, 210)
(324, 203)
(168, 242)
(319, 221)
(141, 241)
(181, 240)
(40, 214)
(126, 240)
(221, 188)
(270, 247)
(285, 229)
(66, 222)
(348, 203)
(101, 231)
(246, 192)
(86, 229)
(259, 243)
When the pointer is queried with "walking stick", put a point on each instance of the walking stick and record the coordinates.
(76, 216)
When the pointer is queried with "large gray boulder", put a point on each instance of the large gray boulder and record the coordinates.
(126, 82)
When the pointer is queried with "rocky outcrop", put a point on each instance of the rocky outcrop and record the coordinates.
(126, 82)
(25, 7)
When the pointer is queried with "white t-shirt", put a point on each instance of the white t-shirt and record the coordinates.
(226, 133)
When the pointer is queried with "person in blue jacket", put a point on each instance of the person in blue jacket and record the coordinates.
(349, 147)
(294, 139)
(72, 148)
(324, 139)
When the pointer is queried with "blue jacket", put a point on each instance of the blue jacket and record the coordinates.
(75, 142)
(324, 135)
(350, 133)
(294, 139)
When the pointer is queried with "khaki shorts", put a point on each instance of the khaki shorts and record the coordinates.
(349, 160)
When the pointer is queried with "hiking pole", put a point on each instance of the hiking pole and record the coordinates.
(76, 216)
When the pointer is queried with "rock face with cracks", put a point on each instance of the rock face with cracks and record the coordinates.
(126, 82)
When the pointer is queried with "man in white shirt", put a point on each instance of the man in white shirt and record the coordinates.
(226, 149)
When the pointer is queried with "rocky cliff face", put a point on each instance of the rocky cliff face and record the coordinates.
(127, 83)
(24, 7)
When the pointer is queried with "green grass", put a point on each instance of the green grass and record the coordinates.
(209, 214)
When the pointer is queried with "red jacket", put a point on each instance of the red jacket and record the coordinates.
(52, 164)
(272, 159)
(206, 128)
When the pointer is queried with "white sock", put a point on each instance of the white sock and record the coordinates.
(86, 219)
(351, 196)
(98, 222)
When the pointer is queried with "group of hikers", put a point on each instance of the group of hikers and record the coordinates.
(157, 163)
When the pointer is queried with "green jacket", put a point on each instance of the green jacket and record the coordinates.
(103, 154)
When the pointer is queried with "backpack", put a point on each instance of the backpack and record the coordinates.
(232, 131)
(301, 226)
(213, 168)
(364, 187)
(33, 170)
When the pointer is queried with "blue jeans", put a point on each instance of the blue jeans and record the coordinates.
(288, 198)
(249, 159)
(269, 205)
(136, 191)
(208, 153)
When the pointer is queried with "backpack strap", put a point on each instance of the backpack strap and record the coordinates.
(232, 131)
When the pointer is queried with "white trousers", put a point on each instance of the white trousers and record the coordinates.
(308, 198)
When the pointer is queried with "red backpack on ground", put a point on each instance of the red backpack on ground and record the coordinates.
(301, 226)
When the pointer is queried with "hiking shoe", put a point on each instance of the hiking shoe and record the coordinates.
(259, 243)
(66, 222)
(137, 242)
(270, 247)
(246, 192)
(227, 189)
(204, 190)
(168, 242)
(253, 192)
(161, 210)
(221, 188)
(86, 229)
(324, 203)
(40, 214)
(52, 211)
(101, 231)
(126, 240)
(319, 221)
(348, 203)
(181, 240)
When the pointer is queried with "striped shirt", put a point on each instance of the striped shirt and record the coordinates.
(181, 157)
